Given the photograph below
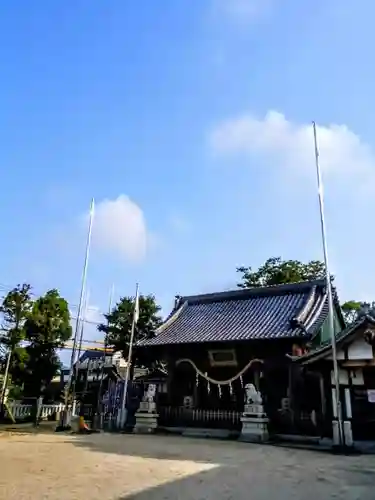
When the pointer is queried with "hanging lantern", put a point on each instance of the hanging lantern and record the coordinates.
(196, 379)
(241, 380)
(230, 389)
(219, 386)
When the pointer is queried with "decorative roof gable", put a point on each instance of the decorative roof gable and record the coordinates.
(365, 324)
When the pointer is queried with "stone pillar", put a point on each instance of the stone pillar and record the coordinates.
(346, 411)
(39, 404)
(254, 424)
(348, 434)
(147, 416)
(335, 423)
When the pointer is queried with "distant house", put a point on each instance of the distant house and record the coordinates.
(89, 373)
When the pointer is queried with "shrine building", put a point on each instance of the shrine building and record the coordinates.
(215, 345)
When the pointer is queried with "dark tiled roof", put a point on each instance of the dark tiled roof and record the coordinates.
(91, 355)
(325, 349)
(86, 355)
(144, 374)
(254, 313)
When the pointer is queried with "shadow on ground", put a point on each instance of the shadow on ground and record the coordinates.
(28, 428)
(240, 483)
(242, 471)
(163, 447)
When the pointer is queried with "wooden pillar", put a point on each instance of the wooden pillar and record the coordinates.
(322, 396)
(170, 380)
(290, 393)
(256, 373)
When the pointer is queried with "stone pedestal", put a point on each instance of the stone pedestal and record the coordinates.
(75, 423)
(254, 424)
(347, 431)
(146, 418)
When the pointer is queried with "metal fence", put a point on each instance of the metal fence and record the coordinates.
(213, 419)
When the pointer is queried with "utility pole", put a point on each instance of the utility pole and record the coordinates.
(122, 412)
(98, 403)
(5, 382)
(77, 363)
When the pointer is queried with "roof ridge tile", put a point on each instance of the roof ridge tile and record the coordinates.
(245, 293)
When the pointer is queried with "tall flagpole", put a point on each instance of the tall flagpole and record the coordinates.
(329, 292)
(122, 413)
(79, 313)
(82, 329)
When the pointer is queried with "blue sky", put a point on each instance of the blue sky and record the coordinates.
(189, 122)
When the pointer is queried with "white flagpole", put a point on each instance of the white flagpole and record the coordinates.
(329, 292)
(83, 322)
(79, 313)
(122, 413)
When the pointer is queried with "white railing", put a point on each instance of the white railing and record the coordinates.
(20, 411)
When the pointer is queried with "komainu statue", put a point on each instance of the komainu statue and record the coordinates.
(150, 394)
(252, 396)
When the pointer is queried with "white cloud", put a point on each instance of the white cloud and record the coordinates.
(92, 314)
(120, 227)
(290, 145)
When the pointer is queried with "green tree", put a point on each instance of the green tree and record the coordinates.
(350, 310)
(47, 328)
(15, 309)
(366, 308)
(276, 271)
(117, 328)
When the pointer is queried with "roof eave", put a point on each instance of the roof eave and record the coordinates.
(292, 336)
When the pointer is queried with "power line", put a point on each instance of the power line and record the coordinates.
(7, 289)
(87, 321)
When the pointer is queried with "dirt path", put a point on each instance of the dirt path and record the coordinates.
(59, 467)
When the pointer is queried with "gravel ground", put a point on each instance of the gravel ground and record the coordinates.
(61, 467)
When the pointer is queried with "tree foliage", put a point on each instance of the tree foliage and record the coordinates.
(14, 309)
(276, 271)
(32, 331)
(117, 327)
(350, 310)
(47, 328)
(354, 310)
